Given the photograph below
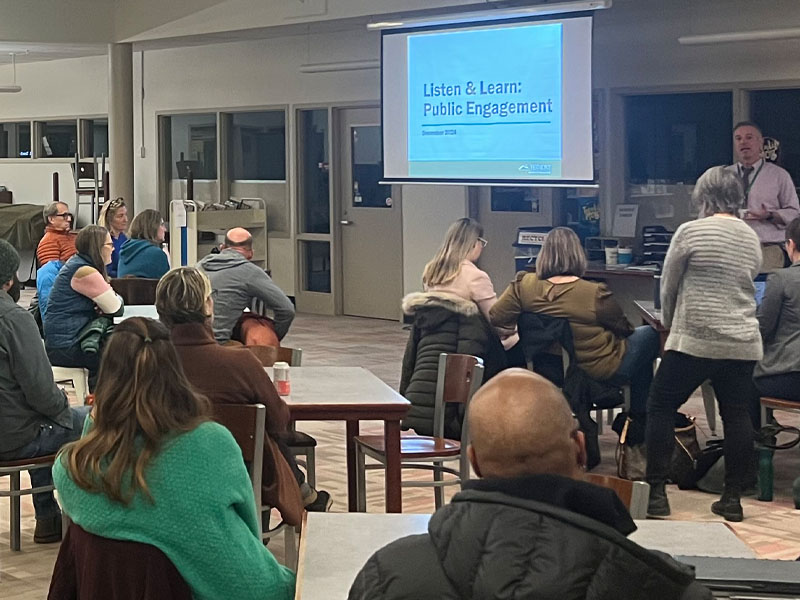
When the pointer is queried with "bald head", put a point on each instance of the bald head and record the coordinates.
(520, 424)
(239, 239)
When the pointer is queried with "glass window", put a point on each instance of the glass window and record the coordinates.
(775, 111)
(673, 138)
(368, 169)
(314, 183)
(257, 146)
(95, 137)
(193, 139)
(15, 140)
(58, 139)
(317, 267)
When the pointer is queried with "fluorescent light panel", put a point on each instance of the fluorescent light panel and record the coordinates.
(493, 15)
(740, 36)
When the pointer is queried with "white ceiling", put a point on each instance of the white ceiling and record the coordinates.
(42, 52)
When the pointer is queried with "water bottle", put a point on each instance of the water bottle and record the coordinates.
(282, 383)
(766, 474)
(657, 291)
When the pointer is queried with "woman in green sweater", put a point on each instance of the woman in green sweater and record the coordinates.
(153, 468)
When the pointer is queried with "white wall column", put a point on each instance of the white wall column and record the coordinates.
(120, 121)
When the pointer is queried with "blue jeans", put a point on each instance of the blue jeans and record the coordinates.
(50, 438)
(636, 367)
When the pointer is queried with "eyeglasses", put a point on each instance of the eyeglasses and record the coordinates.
(108, 245)
(66, 215)
(116, 203)
(483, 242)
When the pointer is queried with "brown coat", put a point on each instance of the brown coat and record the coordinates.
(599, 326)
(233, 375)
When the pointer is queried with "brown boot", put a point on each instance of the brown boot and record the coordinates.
(48, 530)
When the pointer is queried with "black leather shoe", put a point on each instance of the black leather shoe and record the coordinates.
(48, 531)
(322, 503)
(658, 504)
(728, 507)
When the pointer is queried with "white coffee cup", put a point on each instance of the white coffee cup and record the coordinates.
(612, 255)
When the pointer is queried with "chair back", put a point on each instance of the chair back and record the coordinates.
(136, 290)
(269, 355)
(247, 423)
(90, 566)
(634, 494)
(458, 378)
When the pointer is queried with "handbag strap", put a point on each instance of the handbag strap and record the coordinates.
(771, 432)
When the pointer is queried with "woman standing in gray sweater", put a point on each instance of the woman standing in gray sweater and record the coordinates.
(708, 303)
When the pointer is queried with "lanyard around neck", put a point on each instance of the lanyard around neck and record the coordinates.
(752, 181)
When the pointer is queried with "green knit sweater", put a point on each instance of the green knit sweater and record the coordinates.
(203, 517)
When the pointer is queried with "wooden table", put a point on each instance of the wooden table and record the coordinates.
(601, 272)
(137, 310)
(652, 316)
(352, 394)
(334, 546)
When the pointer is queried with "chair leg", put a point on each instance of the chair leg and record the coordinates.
(311, 467)
(361, 480)
(438, 491)
(710, 403)
(766, 415)
(290, 546)
(15, 513)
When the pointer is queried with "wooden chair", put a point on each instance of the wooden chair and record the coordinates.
(136, 290)
(13, 468)
(91, 566)
(301, 444)
(459, 377)
(634, 494)
(247, 422)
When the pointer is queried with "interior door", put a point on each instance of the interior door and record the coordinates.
(370, 221)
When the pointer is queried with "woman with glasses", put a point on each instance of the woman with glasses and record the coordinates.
(80, 293)
(142, 255)
(114, 217)
(450, 316)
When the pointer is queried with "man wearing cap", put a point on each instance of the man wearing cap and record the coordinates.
(770, 195)
(35, 416)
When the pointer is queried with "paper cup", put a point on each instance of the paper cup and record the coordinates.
(625, 256)
(612, 255)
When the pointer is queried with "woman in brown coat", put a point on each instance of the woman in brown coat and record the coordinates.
(226, 374)
(607, 346)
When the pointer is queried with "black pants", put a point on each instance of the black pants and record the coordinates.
(678, 376)
(785, 386)
(75, 357)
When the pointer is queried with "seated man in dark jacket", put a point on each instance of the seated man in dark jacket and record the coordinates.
(530, 528)
(35, 417)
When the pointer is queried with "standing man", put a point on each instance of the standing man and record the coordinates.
(770, 195)
(35, 417)
(58, 242)
(237, 282)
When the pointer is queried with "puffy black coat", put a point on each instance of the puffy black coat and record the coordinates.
(443, 323)
(495, 543)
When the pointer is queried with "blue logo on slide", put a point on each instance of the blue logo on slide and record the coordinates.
(486, 94)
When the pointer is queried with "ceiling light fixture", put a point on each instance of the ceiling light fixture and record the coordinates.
(740, 36)
(351, 65)
(13, 88)
(493, 15)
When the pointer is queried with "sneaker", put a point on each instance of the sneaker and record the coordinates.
(322, 503)
(48, 530)
(658, 504)
(728, 507)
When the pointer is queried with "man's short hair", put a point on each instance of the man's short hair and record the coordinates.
(748, 124)
(793, 232)
(9, 262)
(246, 244)
(51, 210)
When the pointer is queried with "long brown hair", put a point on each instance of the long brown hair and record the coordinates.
(89, 242)
(458, 243)
(142, 398)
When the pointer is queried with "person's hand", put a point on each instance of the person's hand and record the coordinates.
(757, 215)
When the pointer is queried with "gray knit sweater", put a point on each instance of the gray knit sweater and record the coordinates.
(707, 291)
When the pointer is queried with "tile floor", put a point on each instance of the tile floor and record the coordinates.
(771, 529)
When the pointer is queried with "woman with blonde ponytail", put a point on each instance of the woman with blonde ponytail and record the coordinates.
(153, 468)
